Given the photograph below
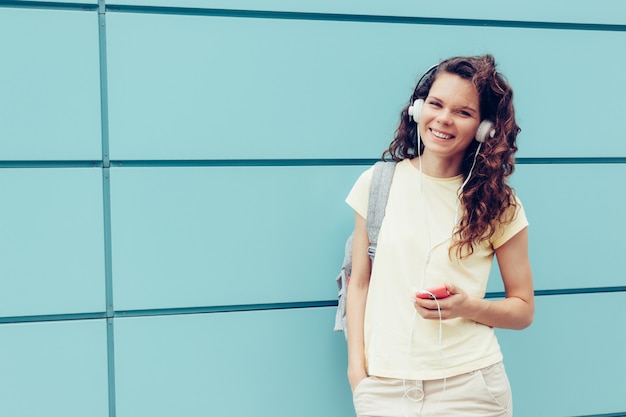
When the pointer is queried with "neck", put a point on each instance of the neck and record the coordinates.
(438, 167)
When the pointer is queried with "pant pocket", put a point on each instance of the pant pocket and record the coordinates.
(360, 398)
(359, 385)
(375, 396)
(497, 385)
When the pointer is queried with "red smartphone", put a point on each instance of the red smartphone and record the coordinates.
(439, 292)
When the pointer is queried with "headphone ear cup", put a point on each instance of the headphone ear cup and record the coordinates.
(485, 130)
(415, 110)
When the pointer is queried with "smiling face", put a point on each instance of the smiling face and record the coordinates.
(449, 119)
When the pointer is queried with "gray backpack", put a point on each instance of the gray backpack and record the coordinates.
(379, 193)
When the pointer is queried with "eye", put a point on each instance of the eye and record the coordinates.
(434, 103)
(464, 113)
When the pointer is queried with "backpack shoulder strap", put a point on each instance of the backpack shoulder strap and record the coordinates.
(379, 194)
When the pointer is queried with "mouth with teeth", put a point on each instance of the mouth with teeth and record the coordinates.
(441, 135)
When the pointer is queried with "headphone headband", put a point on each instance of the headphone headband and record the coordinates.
(427, 74)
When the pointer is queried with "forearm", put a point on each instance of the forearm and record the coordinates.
(355, 318)
(516, 311)
(510, 313)
(356, 299)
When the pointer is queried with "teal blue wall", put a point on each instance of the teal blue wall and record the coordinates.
(172, 175)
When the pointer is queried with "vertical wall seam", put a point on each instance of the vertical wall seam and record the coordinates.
(104, 96)
(106, 202)
(111, 366)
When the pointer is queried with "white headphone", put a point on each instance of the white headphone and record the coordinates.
(485, 129)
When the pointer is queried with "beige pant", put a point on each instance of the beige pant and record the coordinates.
(482, 393)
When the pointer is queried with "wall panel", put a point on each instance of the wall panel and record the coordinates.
(186, 237)
(51, 250)
(50, 101)
(236, 364)
(600, 12)
(272, 88)
(569, 362)
(53, 369)
(576, 224)
(205, 367)
(162, 228)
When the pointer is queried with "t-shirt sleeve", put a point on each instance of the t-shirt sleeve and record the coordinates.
(358, 198)
(508, 230)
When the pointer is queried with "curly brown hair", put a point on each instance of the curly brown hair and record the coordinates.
(487, 199)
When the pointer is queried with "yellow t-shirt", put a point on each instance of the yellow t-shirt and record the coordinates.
(398, 342)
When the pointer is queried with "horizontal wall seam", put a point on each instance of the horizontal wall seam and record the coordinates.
(52, 164)
(326, 303)
(319, 16)
(366, 18)
(618, 414)
(274, 162)
(571, 160)
(339, 162)
(53, 317)
(260, 307)
(243, 162)
(48, 5)
(225, 308)
(566, 291)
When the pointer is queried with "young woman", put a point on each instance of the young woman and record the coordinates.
(449, 211)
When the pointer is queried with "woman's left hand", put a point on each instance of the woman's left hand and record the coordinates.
(457, 304)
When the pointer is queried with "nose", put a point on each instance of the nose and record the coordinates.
(444, 117)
